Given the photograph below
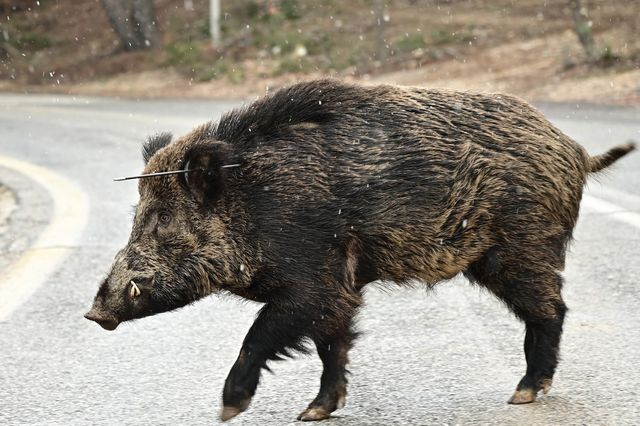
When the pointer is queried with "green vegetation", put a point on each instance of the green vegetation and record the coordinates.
(607, 55)
(183, 54)
(410, 42)
(290, 9)
(448, 36)
(235, 72)
(29, 40)
(294, 65)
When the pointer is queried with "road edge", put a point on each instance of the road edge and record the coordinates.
(22, 278)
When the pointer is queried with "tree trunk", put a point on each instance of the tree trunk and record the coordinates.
(6, 49)
(144, 19)
(583, 29)
(134, 22)
(381, 43)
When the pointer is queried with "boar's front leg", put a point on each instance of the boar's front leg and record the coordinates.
(274, 332)
(279, 330)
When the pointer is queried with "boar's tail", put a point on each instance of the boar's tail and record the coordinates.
(599, 162)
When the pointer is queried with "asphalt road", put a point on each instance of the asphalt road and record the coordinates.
(450, 356)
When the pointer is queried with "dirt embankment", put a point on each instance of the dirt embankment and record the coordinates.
(528, 48)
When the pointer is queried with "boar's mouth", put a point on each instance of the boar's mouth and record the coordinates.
(105, 321)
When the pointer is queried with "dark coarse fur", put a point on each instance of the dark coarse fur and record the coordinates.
(337, 186)
(154, 144)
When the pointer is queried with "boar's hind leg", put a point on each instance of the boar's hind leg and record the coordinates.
(333, 383)
(535, 298)
(543, 311)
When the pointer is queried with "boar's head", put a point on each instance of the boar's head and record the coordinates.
(181, 247)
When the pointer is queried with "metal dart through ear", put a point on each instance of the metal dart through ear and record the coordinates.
(173, 172)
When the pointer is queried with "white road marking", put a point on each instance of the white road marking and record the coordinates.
(71, 210)
(612, 211)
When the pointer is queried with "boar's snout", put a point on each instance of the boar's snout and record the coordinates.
(105, 320)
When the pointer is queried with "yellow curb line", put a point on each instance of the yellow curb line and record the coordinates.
(70, 213)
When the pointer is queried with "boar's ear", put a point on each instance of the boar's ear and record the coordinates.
(205, 181)
(154, 144)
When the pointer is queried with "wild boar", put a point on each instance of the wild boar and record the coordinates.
(305, 196)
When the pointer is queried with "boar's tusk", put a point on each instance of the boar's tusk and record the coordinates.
(135, 291)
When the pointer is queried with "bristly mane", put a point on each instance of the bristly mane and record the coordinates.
(309, 102)
(154, 144)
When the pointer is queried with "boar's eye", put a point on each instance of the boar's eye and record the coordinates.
(164, 218)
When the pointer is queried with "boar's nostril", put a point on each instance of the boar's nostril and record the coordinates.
(106, 323)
